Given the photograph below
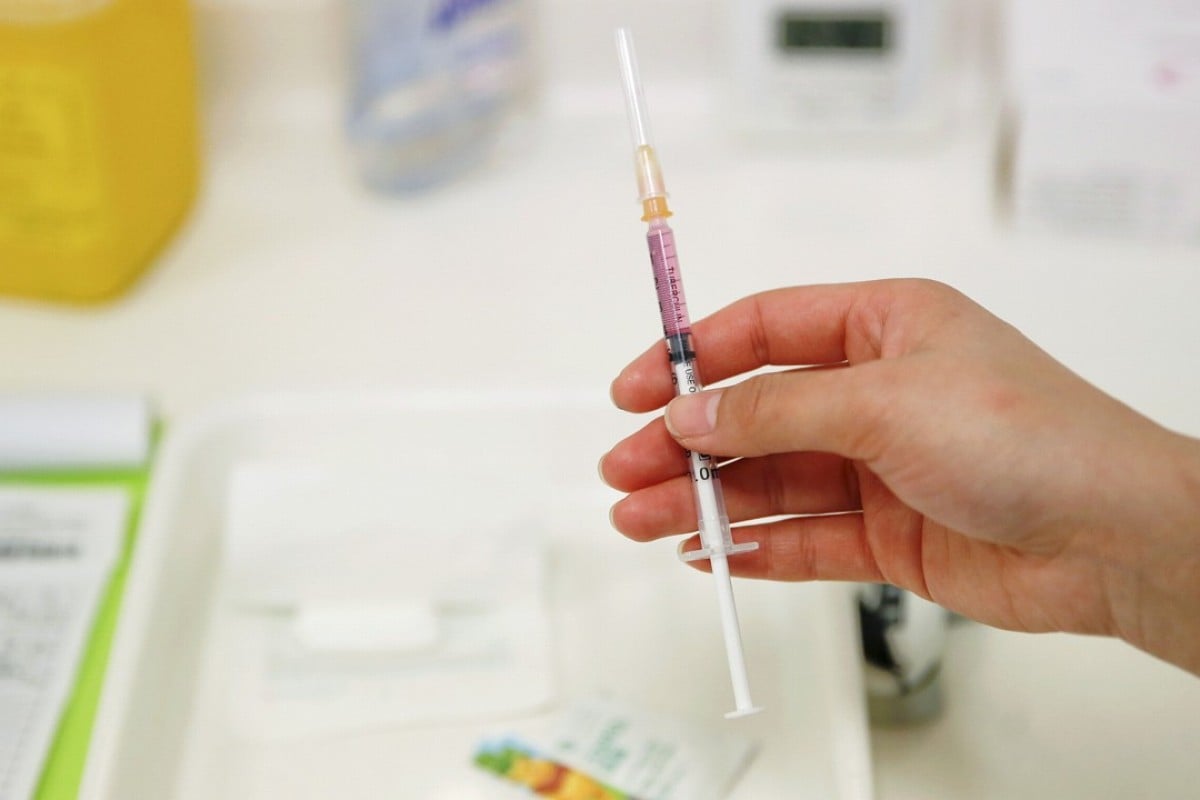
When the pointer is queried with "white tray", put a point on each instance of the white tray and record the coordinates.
(628, 620)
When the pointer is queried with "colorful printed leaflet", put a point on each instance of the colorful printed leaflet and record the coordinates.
(544, 777)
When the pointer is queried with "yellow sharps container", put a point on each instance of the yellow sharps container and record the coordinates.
(98, 141)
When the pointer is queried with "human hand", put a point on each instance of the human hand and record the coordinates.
(934, 447)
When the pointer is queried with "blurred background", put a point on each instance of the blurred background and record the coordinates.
(306, 203)
(202, 201)
(297, 205)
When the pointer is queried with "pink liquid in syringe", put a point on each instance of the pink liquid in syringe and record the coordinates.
(672, 305)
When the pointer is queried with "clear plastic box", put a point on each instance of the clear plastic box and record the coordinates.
(628, 620)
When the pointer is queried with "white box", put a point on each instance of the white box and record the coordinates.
(838, 67)
(627, 619)
(1106, 97)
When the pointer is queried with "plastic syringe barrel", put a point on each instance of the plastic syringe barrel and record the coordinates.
(677, 329)
(713, 522)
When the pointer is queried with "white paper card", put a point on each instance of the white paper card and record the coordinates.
(57, 551)
(649, 756)
(346, 614)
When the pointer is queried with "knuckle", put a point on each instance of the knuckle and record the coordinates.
(758, 413)
(924, 286)
(790, 555)
(933, 292)
(775, 487)
(760, 340)
(871, 413)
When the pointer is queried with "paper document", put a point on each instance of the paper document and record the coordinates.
(57, 551)
(604, 749)
(350, 608)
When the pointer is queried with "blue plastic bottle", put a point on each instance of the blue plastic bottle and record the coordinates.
(432, 81)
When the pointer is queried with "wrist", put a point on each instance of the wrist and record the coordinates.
(1178, 528)
(1158, 607)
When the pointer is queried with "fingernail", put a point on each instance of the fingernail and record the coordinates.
(693, 414)
(600, 468)
(685, 546)
(612, 390)
(612, 512)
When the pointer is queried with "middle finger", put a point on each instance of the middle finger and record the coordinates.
(788, 483)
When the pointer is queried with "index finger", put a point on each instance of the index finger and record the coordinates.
(802, 325)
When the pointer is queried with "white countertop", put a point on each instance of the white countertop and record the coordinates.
(532, 273)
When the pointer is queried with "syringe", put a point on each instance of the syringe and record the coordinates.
(677, 328)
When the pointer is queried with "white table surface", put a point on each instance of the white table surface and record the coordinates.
(532, 272)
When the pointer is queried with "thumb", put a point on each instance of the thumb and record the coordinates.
(838, 411)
